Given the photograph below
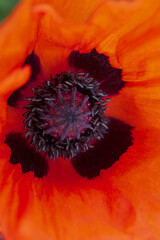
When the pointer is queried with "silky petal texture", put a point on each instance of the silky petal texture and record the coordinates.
(69, 203)
(73, 35)
(15, 80)
(80, 37)
(104, 208)
(65, 34)
(137, 105)
(20, 23)
(140, 183)
(11, 42)
(140, 21)
(133, 45)
(73, 11)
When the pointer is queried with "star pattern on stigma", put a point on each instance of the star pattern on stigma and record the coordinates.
(70, 116)
(66, 115)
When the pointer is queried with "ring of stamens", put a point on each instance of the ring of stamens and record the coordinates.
(65, 115)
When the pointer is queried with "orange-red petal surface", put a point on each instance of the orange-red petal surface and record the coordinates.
(55, 31)
(59, 206)
(14, 46)
(138, 50)
(104, 208)
(137, 105)
(73, 11)
(140, 183)
(124, 39)
(13, 81)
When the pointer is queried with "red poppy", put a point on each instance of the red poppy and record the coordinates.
(92, 196)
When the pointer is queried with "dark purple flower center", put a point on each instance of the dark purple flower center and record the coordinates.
(65, 115)
(68, 116)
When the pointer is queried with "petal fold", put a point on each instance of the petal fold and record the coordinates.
(18, 35)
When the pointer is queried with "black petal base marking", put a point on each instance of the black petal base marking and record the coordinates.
(34, 62)
(98, 66)
(26, 156)
(105, 152)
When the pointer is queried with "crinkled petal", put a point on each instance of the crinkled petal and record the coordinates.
(13, 43)
(61, 204)
(127, 44)
(139, 181)
(73, 11)
(14, 80)
(56, 34)
(104, 208)
(137, 105)
(138, 50)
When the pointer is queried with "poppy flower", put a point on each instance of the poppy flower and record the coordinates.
(111, 191)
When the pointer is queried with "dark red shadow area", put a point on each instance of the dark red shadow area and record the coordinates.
(34, 62)
(105, 152)
(22, 153)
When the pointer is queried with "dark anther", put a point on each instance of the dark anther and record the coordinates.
(98, 66)
(105, 152)
(26, 155)
(33, 61)
(66, 115)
